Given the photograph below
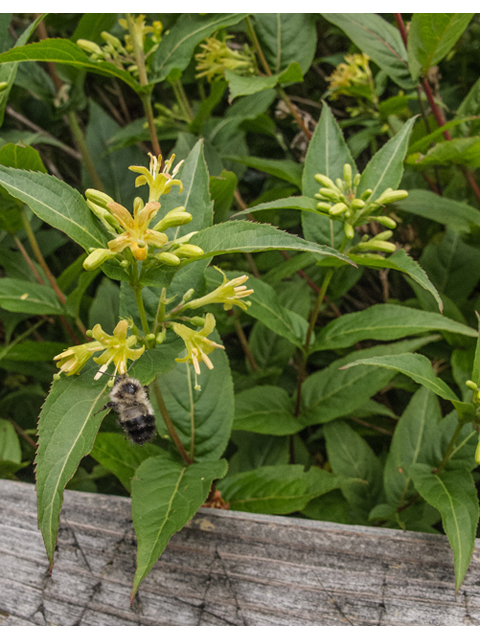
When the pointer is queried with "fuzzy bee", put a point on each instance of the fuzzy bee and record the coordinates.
(129, 399)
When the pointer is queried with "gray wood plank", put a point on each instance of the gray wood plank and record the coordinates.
(224, 568)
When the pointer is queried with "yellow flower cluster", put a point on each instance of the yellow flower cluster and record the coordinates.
(216, 57)
(351, 76)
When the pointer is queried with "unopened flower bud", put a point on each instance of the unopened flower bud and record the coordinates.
(330, 194)
(197, 321)
(324, 181)
(3, 86)
(174, 218)
(356, 180)
(376, 245)
(338, 209)
(389, 195)
(115, 42)
(347, 175)
(348, 229)
(471, 385)
(366, 194)
(97, 258)
(357, 203)
(98, 197)
(167, 258)
(384, 235)
(89, 47)
(340, 184)
(477, 453)
(386, 221)
(324, 207)
(188, 251)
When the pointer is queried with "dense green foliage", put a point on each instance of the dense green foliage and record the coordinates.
(332, 159)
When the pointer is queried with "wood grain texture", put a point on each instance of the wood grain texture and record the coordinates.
(224, 568)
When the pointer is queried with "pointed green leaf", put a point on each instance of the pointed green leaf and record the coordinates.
(287, 170)
(277, 489)
(465, 151)
(21, 157)
(300, 203)
(460, 216)
(165, 496)
(248, 85)
(56, 203)
(235, 237)
(28, 297)
(385, 169)
(9, 444)
(65, 52)
(384, 322)
(454, 494)
(120, 456)
(430, 38)
(265, 409)
(380, 40)
(417, 426)
(327, 154)
(66, 432)
(337, 391)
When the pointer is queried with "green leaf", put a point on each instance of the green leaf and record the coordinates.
(465, 151)
(203, 417)
(9, 444)
(30, 351)
(178, 44)
(240, 237)
(384, 322)
(334, 392)
(8, 74)
(105, 307)
(165, 496)
(91, 26)
(257, 450)
(28, 297)
(470, 106)
(222, 190)
(286, 38)
(287, 170)
(157, 361)
(265, 409)
(378, 39)
(430, 38)
(401, 261)
(415, 429)
(120, 456)
(454, 494)
(66, 432)
(56, 203)
(385, 169)
(279, 489)
(418, 368)
(248, 85)
(453, 266)
(424, 143)
(460, 216)
(21, 157)
(63, 51)
(327, 154)
(300, 203)
(350, 456)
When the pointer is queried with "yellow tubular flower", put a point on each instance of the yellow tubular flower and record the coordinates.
(71, 360)
(229, 293)
(158, 183)
(197, 344)
(137, 235)
(117, 348)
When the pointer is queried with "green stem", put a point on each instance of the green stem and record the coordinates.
(21, 337)
(316, 309)
(82, 147)
(147, 106)
(160, 315)
(137, 290)
(451, 445)
(182, 100)
(168, 422)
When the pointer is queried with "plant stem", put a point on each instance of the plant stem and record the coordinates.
(28, 260)
(168, 422)
(82, 147)
(147, 95)
(451, 445)
(160, 315)
(435, 110)
(316, 309)
(137, 290)
(182, 100)
(21, 337)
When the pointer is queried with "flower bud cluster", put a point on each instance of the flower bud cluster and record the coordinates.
(339, 200)
(122, 54)
(217, 56)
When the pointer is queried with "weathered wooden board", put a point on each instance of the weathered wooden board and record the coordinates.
(224, 568)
